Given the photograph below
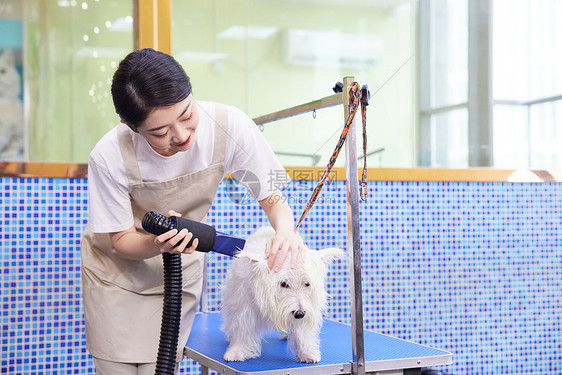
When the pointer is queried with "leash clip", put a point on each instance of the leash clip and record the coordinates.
(365, 95)
(364, 191)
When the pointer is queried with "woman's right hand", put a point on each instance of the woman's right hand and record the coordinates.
(175, 242)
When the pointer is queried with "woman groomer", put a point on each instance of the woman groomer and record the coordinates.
(169, 155)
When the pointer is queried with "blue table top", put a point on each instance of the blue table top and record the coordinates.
(207, 344)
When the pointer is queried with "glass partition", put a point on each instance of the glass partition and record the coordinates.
(443, 90)
(449, 131)
(454, 83)
(528, 83)
(500, 61)
(267, 55)
(71, 50)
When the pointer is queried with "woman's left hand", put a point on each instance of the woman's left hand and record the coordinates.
(278, 248)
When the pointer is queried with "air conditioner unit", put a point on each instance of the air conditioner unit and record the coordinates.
(331, 48)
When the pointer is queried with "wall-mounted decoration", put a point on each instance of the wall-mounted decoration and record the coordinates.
(11, 83)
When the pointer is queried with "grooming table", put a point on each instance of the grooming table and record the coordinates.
(384, 355)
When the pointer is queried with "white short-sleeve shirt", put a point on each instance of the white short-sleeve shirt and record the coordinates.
(109, 203)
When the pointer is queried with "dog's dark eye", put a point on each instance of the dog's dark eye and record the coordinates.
(284, 284)
(307, 284)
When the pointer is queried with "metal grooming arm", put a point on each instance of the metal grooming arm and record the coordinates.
(353, 237)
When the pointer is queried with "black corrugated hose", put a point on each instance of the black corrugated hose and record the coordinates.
(171, 315)
(158, 224)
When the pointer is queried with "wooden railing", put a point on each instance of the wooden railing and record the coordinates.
(80, 170)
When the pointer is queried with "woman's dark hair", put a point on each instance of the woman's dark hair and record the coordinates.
(147, 79)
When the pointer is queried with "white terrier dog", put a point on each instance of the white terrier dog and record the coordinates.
(257, 301)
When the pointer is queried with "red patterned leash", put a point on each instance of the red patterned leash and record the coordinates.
(357, 95)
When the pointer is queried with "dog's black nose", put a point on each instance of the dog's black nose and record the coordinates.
(299, 314)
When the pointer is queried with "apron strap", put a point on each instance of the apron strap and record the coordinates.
(128, 153)
(221, 132)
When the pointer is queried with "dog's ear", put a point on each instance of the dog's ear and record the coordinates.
(330, 254)
(263, 283)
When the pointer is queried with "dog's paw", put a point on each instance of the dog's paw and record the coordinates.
(237, 354)
(309, 357)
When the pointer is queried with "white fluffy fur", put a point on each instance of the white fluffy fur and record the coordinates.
(257, 301)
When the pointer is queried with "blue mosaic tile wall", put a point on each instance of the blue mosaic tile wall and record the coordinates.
(472, 268)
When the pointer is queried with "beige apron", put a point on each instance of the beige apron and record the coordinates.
(123, 297)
